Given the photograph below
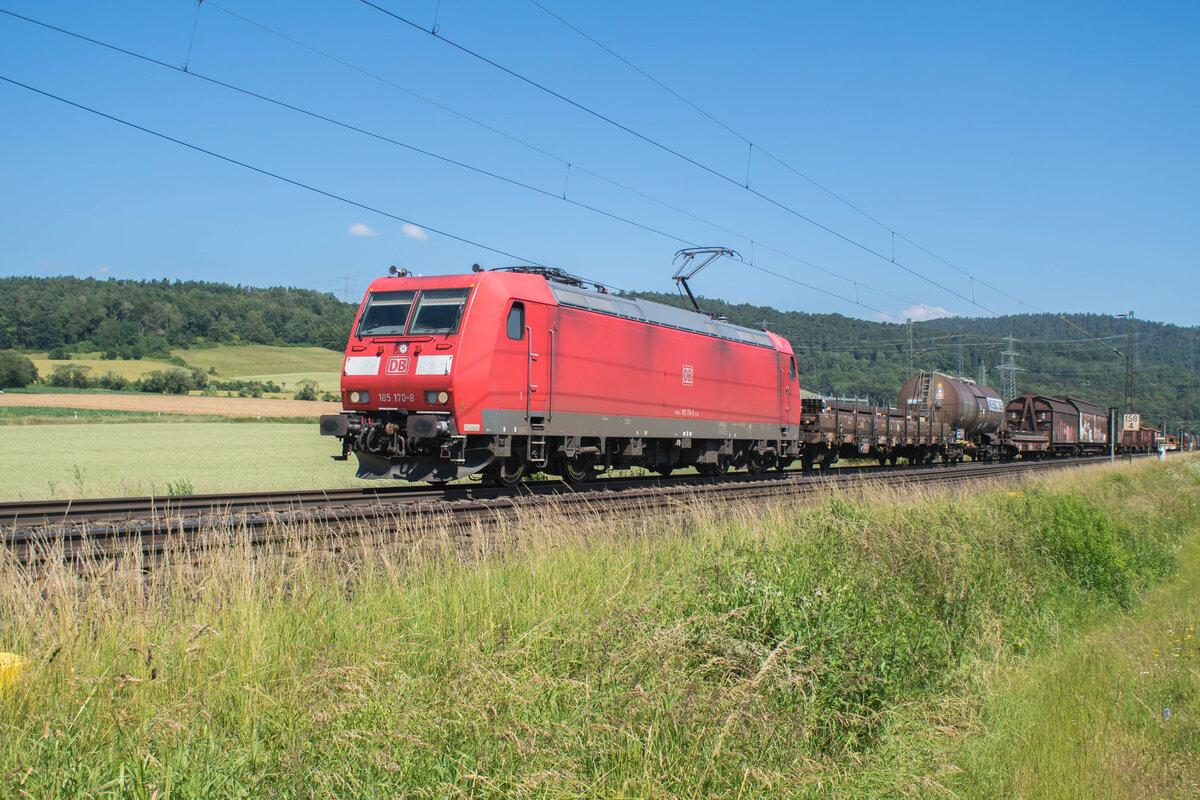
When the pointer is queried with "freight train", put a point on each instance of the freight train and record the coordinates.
(520, 369)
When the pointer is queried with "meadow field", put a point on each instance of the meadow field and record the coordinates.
(1032, 639)
(148, 458)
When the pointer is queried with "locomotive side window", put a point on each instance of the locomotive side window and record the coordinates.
(516, 321)
(439, 311)
(792, 368)
(385, 314)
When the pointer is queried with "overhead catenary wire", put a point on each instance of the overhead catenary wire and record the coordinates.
(421, 151)
(752, 146)
(678, 154)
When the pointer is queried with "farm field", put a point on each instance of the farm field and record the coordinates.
(144, 458)
(1021, 640)
(97, 366)
(282, 365)
(195, 405)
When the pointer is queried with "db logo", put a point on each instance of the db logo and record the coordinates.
(397, 365)
(687, 375)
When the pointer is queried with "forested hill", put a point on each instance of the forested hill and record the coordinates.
(143, 317)
(859, 358)
(837, 355)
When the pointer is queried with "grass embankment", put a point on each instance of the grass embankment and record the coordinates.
(865, 645)
(152, 458)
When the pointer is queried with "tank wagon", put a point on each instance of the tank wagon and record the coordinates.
(525, 368)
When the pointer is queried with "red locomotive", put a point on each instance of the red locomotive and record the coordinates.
(524, 368)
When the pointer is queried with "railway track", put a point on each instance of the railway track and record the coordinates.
(104, 527)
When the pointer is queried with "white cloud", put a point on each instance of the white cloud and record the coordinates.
(358, 229)
(923, 312)
(413, 232)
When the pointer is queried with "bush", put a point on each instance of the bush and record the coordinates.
(16, 370)
(307, 390)
(59, 353)
(173, 381)
(113, 381)
(70, 376)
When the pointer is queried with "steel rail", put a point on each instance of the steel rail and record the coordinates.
(81, 529)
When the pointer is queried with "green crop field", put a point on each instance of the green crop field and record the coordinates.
(1031, 639)
(141, 458)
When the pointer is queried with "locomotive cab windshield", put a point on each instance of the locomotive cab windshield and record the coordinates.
(386, 314)
(391, 313)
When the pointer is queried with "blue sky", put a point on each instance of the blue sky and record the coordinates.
(1046, 150)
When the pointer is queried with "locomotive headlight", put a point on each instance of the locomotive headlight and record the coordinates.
(443, 398)
(403, 347)
(360, 397)
(431, 397)
(354, 397)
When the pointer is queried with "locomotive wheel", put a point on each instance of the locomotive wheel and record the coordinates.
(755, 462)
(719, 468)
(506, 472)
(577, 470)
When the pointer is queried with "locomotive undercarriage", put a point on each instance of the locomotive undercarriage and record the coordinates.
(428, 447)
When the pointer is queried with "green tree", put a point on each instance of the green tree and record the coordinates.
(16, 370)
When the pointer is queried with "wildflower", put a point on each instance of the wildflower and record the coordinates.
(1166, 715)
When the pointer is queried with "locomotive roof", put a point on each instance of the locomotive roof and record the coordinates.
(656, 314)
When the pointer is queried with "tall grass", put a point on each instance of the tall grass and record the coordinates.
(841, 646)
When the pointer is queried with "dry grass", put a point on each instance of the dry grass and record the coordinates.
(855, 647)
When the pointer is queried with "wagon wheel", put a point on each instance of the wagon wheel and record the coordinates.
(577, 470)
(506, 472)
(719, 468)
(665, 470)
